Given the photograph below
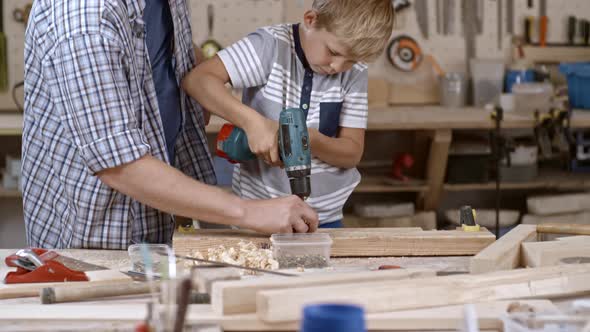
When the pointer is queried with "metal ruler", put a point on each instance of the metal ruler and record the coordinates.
(421, 7)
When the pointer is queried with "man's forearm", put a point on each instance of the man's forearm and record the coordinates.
(154, 183)
(342, 152)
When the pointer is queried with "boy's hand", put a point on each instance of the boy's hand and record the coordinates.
(263, 139)
(280, 215)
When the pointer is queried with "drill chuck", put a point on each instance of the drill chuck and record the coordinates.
(299, 180)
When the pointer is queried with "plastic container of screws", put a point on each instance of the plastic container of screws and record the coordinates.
(302, 250)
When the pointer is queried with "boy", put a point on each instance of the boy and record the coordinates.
(316, 66)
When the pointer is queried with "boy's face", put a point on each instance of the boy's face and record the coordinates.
(324, 51)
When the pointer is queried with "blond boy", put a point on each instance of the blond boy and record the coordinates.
(316, 65)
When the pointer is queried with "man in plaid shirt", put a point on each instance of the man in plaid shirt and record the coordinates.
(112, 147)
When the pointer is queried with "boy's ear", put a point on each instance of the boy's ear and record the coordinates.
(309, 19)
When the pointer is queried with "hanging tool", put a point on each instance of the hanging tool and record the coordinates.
(528, 29)
(3, 53)
(449, 17)
(421, 8)
(571, 30)
(510, 17)
(210, 47)
(232, 144)
(404, 53)
(500, 25)
(479, 15)
(585, 32)
(439, 17)
(470, 26)
(21, 15)
(543, 23)
(530, 4)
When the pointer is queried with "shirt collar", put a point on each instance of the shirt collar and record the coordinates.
(298, 48)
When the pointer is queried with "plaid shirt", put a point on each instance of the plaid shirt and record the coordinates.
(90, 104)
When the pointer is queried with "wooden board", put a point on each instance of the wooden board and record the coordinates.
(12, 291)
(237, 297)
(550, 252)
(544, 282)
(505, 253)
(559, 204)
(442, 318)
(357, 242)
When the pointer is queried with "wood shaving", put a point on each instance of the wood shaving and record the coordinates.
(246, 254)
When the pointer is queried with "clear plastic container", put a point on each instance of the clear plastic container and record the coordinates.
(531, 97)
(488, 80)
(309, 250)
(157, 254)
(523, 322)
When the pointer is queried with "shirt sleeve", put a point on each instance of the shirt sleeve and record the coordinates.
(91, 87)
(249, 61)
(355, 106)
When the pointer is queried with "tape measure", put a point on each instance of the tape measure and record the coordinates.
(404, 53)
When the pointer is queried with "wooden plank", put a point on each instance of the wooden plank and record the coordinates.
(544, 282)
(12, 291)
(558, 204)
(424, 220)
(505, 253)
(573, 229)
(549, 253)
(355, 242)
(236, 297)
(568, 218)
(434, 319)
(436, 169)
(556, 54)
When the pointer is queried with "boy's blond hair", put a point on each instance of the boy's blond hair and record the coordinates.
(363, 25)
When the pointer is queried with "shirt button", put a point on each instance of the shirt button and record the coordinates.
(305, 106)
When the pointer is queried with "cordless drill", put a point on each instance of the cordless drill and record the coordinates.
(232, 144)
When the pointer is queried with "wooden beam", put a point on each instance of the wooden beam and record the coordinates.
(356, 242)
(505, 253)
(103, 277)
(544, 282)
(436, 169)
(234, 297)
(573, 229)
(558, 204)
(434, 319)
(549, 253)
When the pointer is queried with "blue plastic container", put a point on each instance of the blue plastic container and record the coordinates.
(518, 76)
(578, 83)
(333, 318)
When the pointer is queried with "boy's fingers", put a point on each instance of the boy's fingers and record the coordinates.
(300, 226)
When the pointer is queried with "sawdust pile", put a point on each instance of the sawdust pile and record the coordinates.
(246, 254)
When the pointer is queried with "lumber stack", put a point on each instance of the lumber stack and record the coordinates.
(354, 242)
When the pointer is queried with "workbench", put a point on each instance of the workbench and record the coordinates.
(119, 260)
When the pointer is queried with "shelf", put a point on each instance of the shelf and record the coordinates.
(556, 54)
(382, 184)
(387, 118)
(6, 193)
(546, 180)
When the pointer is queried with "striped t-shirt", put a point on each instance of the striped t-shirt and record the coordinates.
(271, 68)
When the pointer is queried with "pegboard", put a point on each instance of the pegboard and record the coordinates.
(233, 19)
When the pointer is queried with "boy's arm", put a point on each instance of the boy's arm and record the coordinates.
(344, 151)
(206, 84)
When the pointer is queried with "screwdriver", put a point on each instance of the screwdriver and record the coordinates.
(543, 23)
(586, 33)
(528, 29)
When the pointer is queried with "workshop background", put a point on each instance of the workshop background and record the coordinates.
(431, 145)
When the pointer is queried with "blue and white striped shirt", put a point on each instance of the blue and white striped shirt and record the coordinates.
(90, 104)
(269, 64)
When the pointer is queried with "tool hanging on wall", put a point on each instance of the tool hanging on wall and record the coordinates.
(449, 17)
(510, 17)
(21, 15)
(210, 47)
(500, 25)
(404, 53)
(479, 13)
(400, 7)
(421, 8)
(543, 23)
(439, 17)
(571, 30)
(470, 27)
(3, 52)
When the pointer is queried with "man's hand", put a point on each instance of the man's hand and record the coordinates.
(280, 215)
(263, 139)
